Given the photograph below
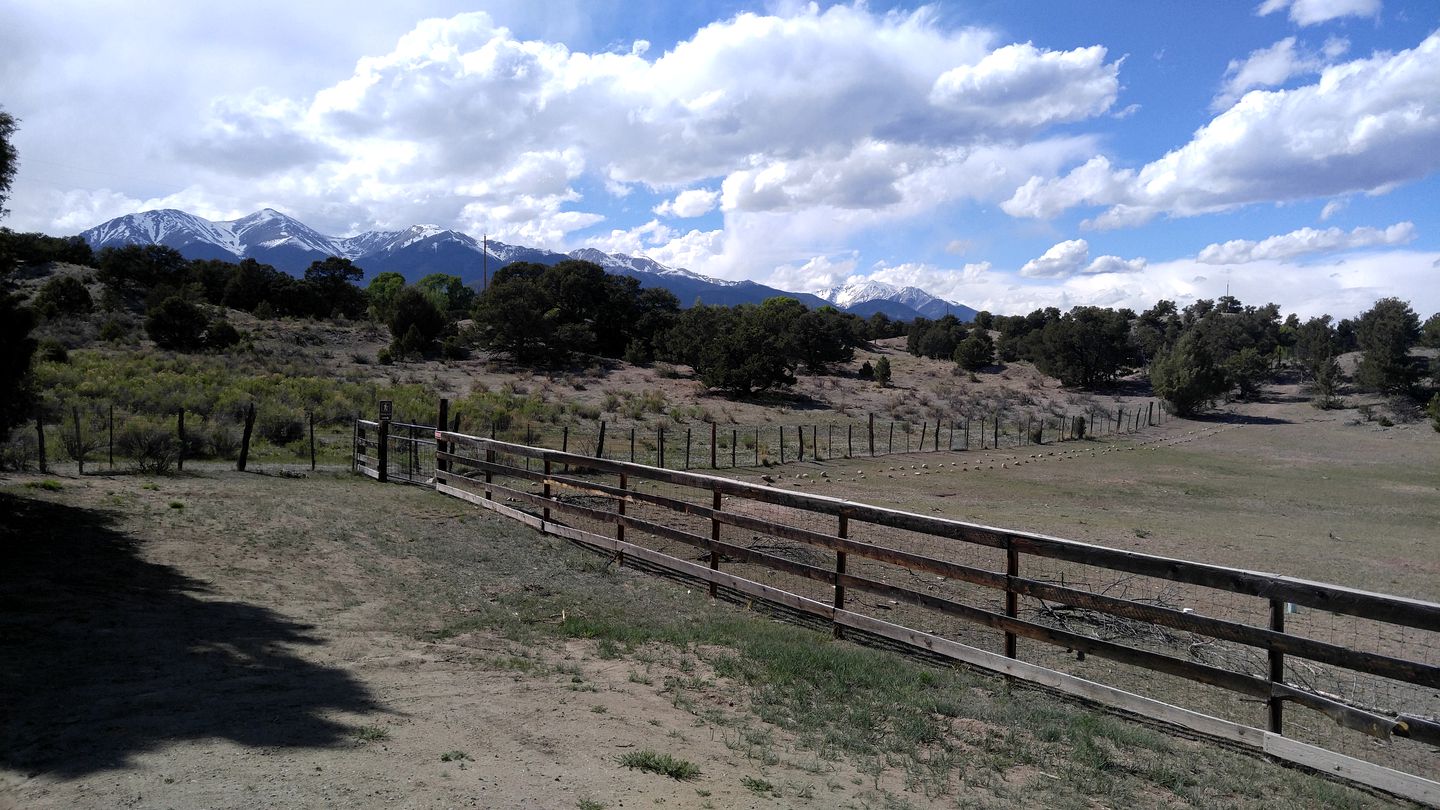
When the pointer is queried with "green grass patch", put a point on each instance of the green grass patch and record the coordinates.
(663, 764)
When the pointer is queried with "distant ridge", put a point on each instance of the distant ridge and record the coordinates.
(274, 238)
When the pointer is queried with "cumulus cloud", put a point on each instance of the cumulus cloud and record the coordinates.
(1266, 67)
(1363, 126)
(1072, 257)
(1023, 86)
(903, 108)
(1313, 12)
(1306, 241)
(693, 202)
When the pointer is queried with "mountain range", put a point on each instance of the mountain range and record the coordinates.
(290, 245)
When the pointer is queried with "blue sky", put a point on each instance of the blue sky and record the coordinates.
(1005, 155)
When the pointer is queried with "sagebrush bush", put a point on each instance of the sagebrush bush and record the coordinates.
(149, 443)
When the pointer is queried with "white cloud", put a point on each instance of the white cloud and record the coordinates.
(1332, 208)
(1363, 126)
(1266, 67)
(689, 203)
(1061, 260)
(1312, 12)
(1023, 86)
(1306, 241)
(1072, 257)
(902, 109)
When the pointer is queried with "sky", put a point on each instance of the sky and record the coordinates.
(1002, 154)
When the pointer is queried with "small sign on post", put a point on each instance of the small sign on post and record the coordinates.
(387, 410)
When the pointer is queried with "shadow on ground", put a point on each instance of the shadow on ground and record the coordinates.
(104, 655)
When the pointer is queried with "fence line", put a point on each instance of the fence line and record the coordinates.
(764, 533)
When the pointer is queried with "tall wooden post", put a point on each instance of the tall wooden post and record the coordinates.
(40, 438)
(112, 436)
(600, 442)
(800, 435)
(996, 443)
(872, 435)
(1012, 602)
(1150, 414)
(1119, 412)
(849, 440)
(715, 537)
(250, 427)
(632, 445)
(620, 508)
(384, 455)
(180, 434)
(842, 532)
(1277, 665)
(545, 512)
(734, 440)
(660, 446)
(890, 443)
(924, 431)
(441, 446)
(687, 449)
(937, 435)
(80, 448)
(713, 446)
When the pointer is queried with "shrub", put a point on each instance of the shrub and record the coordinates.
(385, 357)
(882, 372)
(114, 330)
(176, 324)
(53, 351)
(279, 427)
(63, 295)
(867, 371)
(149, 443)
(221, 335)
(1433, 409)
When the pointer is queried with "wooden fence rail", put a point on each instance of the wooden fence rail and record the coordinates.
(473, 468)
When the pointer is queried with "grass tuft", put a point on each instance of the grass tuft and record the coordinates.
(663, 764)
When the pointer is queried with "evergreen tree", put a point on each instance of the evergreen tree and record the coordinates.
(1186, 377)
(1385, 334)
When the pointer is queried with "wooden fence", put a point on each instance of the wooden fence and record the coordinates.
(991, 598)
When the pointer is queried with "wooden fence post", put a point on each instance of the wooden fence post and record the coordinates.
(632, 444)
(250, 427)
(713, 447)
(842, 532)
(620, 525)
(1120, 411)
(384, 456)
(545, 512)
(1150, 414)
(80, 448)
(1012, 602)
(924, 428)
(180, 434)
(996, 443)
(112, 436)
(441, 446)
(715, 537)
(355, 435)
(1277, 665)
(872, 435)
(937, 434)
(800, 435)
(660, 446)
(782, 444)
(687, 449)
(734, 440)
(600, 442)
(40, 434)
(890, 443)
(849, 440)
(830, 440)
